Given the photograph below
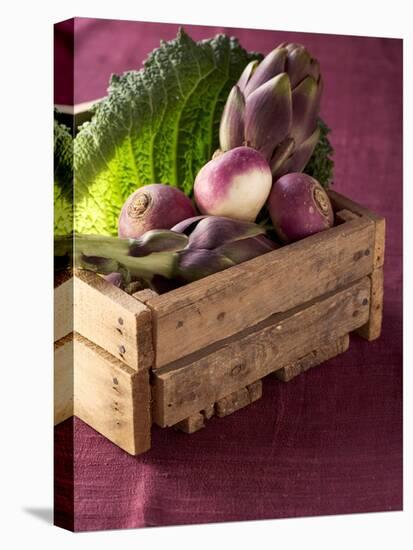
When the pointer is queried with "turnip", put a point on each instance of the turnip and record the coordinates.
(234, 184)
(154, 206)
(298, 207)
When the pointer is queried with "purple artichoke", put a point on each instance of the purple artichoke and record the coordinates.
(166, 259)
(274, 108)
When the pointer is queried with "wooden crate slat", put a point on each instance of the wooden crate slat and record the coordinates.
(113, 320)
(223, 304)
(232, 402)
(209, 411)
(145, 295)
(239, 399)
(189, 385)
(341, 202)
(108, 395)
(345, 216)
(313, 359)
(225, 406)
(372, 329)
(191, 424)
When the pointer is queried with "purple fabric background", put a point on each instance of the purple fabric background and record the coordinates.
(330, 441)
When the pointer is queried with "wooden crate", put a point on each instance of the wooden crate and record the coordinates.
(123, 362)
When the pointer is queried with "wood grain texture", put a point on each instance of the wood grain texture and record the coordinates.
(209, 411)
(343, 216)
(63, 379)
(314, 358)
(225, 406)
(196, 421)
(113, 320)
(104, 392)
(372, 329)
(232, 402)
(255, 391)
(191, 424)
(341, 202)
(189, 385)
(145, 295)
(63, 309)
(239, 399)
(223, 304)
(380, 243)
(111, 397)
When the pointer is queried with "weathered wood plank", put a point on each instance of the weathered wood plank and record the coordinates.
(345, 216)
(63, 309)
(223, 407)
(239, 399)
(191, 424)
(255, 391)
(113, 320)
(380, 243)
(223, 304)
(103, 392)
(63, 379)
(232, 402)
(145, 295)
(341, 202)
(196, 421)
(312, 359)
(142, 416)
(111, 397)
(372, 329)
(209, 411)
(189, 385)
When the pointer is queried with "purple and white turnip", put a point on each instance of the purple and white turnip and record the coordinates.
(154, 206)
(299, 206)
(234, 184)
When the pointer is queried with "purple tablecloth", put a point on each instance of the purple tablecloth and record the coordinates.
(330, 441)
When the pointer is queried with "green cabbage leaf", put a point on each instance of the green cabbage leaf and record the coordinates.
(157, 125)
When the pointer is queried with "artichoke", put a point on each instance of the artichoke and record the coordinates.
(274, 108)
(165, 259)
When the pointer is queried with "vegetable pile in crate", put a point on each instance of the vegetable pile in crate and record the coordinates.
(203, 349)
(256, 270)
